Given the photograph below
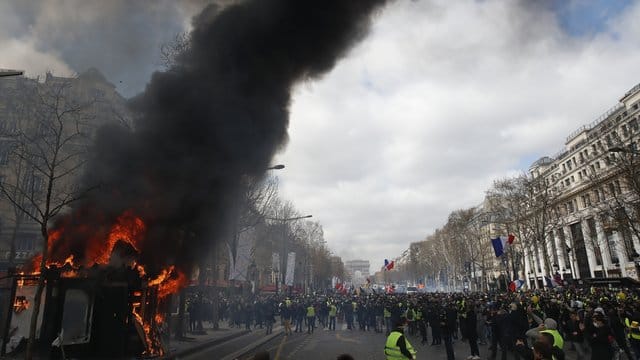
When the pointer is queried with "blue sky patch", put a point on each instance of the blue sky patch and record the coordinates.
(581, 18)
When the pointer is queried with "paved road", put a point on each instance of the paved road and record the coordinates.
(229, 347)
(369, 345)
(327, 345)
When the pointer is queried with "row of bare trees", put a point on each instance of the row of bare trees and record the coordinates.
(536, 209)
(45, 132)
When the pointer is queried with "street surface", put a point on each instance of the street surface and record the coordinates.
(327, 345)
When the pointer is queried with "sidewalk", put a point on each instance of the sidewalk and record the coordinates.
(196, 342)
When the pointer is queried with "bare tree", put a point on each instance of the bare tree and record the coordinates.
(526, 205)
(49, 145)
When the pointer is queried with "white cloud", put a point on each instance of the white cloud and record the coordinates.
(441, 99)
(23, 55)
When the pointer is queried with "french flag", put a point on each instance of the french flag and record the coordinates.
(388, 265)
(501, 243)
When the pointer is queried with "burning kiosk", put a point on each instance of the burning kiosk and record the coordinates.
(108, 307)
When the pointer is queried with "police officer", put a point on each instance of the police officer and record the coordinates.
(397, 346)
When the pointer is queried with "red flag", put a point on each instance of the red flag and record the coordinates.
(390, 265)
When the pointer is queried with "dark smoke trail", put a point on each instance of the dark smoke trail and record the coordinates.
(220, 113)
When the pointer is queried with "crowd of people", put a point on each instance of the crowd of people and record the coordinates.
(594, 323)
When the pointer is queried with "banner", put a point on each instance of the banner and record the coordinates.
(291, 264)
(239, 267)
(275, 262)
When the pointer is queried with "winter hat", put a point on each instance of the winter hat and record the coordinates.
(599, 310)
(549, 323)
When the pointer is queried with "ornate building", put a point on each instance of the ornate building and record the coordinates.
(595, 200)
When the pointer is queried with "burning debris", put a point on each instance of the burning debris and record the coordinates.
(167, 190)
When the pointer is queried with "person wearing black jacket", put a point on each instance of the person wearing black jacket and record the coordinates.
(470, 325)
(546, 340)
(575, 335)
(600, 337)
(446, 330)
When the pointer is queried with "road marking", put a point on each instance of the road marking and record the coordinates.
(284, 338)
(341, 338)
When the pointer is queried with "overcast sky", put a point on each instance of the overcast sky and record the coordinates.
(442, 98)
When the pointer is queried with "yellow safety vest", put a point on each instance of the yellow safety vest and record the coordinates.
(392, 350)
(634, 331)
(419, 315)
(557, 338)
(387, 313)
(333, 310)
(311, 311)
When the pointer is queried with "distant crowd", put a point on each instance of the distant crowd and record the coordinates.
(594, 323)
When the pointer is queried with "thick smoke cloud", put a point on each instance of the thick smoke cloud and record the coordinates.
(221, 112)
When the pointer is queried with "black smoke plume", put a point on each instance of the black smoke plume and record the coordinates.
(219, 113)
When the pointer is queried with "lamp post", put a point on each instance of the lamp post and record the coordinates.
(283, 252)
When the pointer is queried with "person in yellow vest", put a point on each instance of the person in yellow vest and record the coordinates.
(551, 327)
(633, 325)
(397, 346)
(333, 311)
(311, 318)
(387, 319)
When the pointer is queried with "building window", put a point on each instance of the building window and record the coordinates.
(563, 247)
(597, 164)
(611, 245)
(633, 125)
(593, 237)
(554, 250)
(5, 152)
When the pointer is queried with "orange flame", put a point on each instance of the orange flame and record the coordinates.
(131, 230)
(128, 228)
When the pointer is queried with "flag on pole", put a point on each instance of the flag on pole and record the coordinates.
(388, 265)
(501, 243)
(516, 285)
(549, 282)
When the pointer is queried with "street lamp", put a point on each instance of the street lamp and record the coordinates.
(283, 262)
(276, 167)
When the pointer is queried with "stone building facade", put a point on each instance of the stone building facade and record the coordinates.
(22, 110)
(595, 233)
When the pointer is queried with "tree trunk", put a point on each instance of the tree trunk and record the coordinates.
(36, 302)
(14, 235)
